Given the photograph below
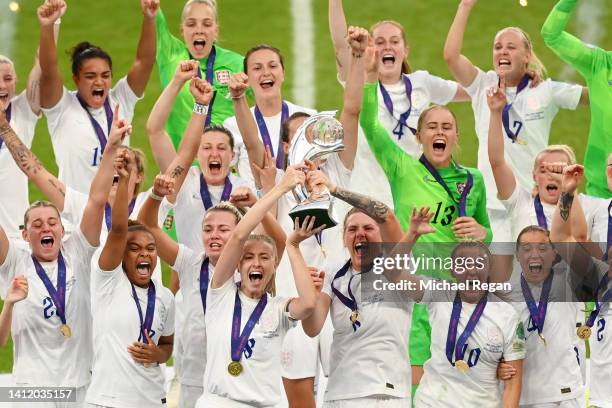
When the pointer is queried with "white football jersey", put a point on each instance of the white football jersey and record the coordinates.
(74, 206)
(551, 372)
(531, 116)
(13, 205)
(498, 334)
(368, 177)
(192, 330)
(601, 214)
(373, 359)
(189, 208)
(42, 355)
(75, 143)
(117, 379)
(273, 123)
(259, 383)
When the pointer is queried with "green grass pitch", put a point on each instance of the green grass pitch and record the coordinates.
(115, 26)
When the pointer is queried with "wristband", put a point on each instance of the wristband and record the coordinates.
(155, 196)
(239, 96)
(58, 21)
(200, 109)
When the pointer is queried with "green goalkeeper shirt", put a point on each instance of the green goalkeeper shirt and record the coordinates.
(413, 186)
(170, 52)
(595, 65)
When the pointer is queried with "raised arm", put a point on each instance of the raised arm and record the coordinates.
(161, 145)
(51, 85)
(114, 247)
(49, 185)
(16, 292)
(502, 172)
(338, 31)
(302, 306)
(91, 222)
(238, 85)
(230, 256)
(388, 153)
(353, 92)
(167, 249)
(202, 92)
(390, 229)
(569, 48)
(140, 71)
(459, 65)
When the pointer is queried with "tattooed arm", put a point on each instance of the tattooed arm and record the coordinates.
(29, 164)
(389, 225)
(202, 93)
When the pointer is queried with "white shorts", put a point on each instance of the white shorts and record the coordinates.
(179, 321)
(189, 395)
(573, 403)
(378, 401)
(299, 354)
(208, 400)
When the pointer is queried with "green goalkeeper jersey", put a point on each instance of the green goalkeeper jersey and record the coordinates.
(595, 65)
(170, 52)
(413, 186)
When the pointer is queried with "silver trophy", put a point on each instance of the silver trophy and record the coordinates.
(320, 135)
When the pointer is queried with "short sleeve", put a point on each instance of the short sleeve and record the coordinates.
(82, 253)
(216, 296)
(170, 308)
(441, 91)
(514, 339)
(285, 320)
(74, 206)
(9, 267)
(54, 114)
(125, 96)
(566, 96)
(516, 200)
(327, 282)
(185, 259)
(477, 85)
(103, 283)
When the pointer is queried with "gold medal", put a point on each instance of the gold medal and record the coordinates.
(542, 338)
(354, 316)
(462, 366)
(234, 368)
(584, 332)
(146, 365)
(65, 330)
(523, 3)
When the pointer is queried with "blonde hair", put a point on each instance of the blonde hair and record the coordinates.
(271, 286)
(534, 62)
(556, 148)
(39, 204)
(224, 206)
(405, 64)
(6, 60)
(210, 3)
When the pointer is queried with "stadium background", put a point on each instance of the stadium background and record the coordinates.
(115, 26)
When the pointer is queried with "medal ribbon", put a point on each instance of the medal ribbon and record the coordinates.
(265, 134)
(204, 277)
(350, 301)
(58, 296)
(607, 297)
(539, 209)
(205, 193)
(508, 106)
(609, 242)
(538, 313)
(95, 124)
(462, 204)
(108, 213)
(239, 340)
(452, 344)
(148, 320)
(402, 121)
(7, 113)
(209, 78)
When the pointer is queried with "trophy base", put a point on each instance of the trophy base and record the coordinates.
(321, 210)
